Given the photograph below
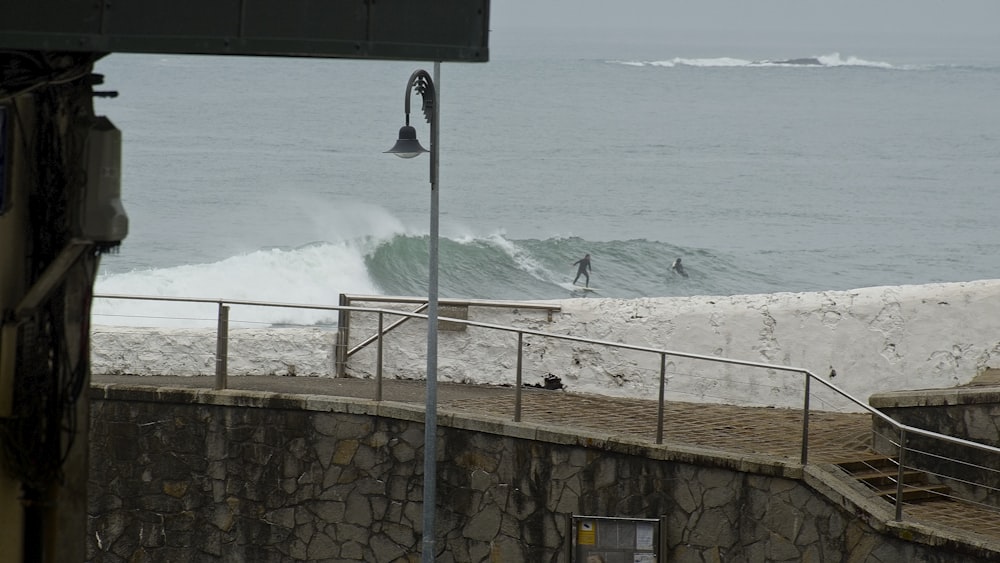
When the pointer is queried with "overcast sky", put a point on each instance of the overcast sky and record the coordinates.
(778, 27)
(890, 16)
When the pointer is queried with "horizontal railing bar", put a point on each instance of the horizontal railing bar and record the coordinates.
(376, 299)
(910, 429)
(457, 302)
(624, 346)
(218, 301)
(952, 439)
(887, 419)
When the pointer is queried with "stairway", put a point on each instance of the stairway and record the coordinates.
(880, 473)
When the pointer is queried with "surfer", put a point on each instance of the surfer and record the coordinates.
(678, 268)
(583, 269)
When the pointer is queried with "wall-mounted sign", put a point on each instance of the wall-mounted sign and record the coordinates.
(605, 539)
(585, 533)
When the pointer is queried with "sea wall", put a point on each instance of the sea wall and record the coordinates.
(863, 341)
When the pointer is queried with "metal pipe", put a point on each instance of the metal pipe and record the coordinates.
(805, 423)
(660, 407)
(899, 475)
(372, 338)
(430, 416)
(343, 334)
(378, 361)
(489, 303)
(222, 348)
(518, 378)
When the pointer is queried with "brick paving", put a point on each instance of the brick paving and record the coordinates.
(833, 437)
(965, 516)
(762, 431)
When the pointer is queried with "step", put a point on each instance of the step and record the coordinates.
(881, 479)
(868, 464)
(880, 473)
(912, 493)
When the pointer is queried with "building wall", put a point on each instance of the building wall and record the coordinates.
(240, 476)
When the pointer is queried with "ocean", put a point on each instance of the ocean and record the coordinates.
(765, 170)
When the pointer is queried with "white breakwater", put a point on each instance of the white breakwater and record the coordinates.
(864, 341)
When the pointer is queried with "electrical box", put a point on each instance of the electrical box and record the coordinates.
(102, 218)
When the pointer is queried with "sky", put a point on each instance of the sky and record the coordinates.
(872, 16)
(822, 24)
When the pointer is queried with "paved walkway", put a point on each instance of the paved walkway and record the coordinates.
(833, 437)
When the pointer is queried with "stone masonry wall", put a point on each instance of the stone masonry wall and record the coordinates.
(195, 475)
(971, 413)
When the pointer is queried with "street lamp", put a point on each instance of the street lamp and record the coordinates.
(408, 147)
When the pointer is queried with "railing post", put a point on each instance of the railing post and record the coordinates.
(222, 347)
(899, 475)
(343, 331)
(517, 378)
(805, 423)
(660, 407)
(378, 361)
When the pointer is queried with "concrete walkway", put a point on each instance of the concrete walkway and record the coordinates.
(766, 432)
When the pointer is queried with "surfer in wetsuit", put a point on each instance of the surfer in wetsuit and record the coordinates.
(583, 269)
(676, 267)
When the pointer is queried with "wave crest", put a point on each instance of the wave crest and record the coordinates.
(831, 60)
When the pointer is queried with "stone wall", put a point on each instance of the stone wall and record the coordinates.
(971, 413)
(196, 475)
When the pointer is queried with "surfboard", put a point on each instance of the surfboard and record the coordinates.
(586, 289)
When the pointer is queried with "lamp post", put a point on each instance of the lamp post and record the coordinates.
(408, 147)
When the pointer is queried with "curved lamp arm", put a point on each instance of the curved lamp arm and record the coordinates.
(420, 81)
(407, 145)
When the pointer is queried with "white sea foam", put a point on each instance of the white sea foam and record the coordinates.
(813, 61)
(524, 260)
(313, 274)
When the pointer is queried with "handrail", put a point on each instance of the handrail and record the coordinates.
(342, 353)
(903, 429)
(381, 331)
(455, 302)
(221, 301)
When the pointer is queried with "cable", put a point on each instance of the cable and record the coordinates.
(18, 80)
(50, 363)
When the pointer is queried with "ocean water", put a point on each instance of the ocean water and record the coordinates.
(766, 171)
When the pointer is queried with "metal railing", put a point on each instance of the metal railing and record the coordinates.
(344, 351)
(905, 433)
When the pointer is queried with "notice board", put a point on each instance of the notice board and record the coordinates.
(607, 539)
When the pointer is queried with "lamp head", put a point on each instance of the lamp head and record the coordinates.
(407, 146)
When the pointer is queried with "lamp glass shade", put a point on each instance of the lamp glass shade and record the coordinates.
(407, 146)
